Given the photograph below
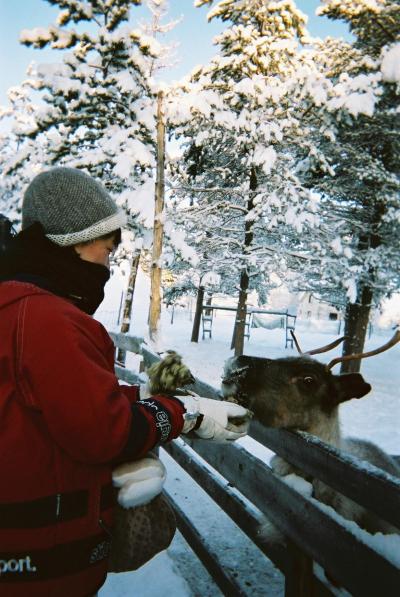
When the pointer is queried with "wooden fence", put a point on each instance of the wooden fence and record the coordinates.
(249, 491)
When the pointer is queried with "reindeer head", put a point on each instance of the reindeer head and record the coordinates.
(289, 393)
(293, 392)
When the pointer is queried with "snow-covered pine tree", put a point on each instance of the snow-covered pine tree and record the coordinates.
(159, 25)
(17, 151)
(351, 157)
(246, 205)
(97, 106)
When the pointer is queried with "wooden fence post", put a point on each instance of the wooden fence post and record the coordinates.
(299, 580)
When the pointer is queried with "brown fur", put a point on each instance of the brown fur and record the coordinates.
(302, 394)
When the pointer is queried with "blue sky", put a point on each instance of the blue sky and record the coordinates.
(193, 33)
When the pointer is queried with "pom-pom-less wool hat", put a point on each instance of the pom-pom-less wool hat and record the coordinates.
(71, 206)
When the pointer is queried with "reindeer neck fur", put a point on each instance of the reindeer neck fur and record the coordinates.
(327, 427)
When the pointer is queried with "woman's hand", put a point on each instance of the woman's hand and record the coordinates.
(215, 420)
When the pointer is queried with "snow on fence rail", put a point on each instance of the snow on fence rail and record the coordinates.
(315, 534)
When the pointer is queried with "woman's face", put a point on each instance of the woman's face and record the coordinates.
(97, 251)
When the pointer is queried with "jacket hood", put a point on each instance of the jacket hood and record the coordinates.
(14, 290)
(31, 257)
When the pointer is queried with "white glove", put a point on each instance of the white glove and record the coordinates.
(140, 481)
(218, 418)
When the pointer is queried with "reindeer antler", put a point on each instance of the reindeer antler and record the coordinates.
(327, 347)
(317, 350)
(362, 355)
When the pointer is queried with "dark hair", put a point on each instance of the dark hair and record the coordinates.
(115, 235)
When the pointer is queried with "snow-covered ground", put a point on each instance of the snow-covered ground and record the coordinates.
(375, 417)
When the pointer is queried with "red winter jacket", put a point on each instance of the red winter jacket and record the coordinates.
(64, 419)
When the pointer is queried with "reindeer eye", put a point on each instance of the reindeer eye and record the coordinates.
(308, 380)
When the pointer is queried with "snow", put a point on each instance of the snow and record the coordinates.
(390, 66)
(32, 35)
(360, 103)
(157, 578)
(140, 202)
(177, 240)
(351, 286)
(265, 156)
(125, 81)
(299, 484)
(390, 314)
(386, 545)
(135, 152)
(336, 246)
(211, 279)
(195, 100)
(355, 103)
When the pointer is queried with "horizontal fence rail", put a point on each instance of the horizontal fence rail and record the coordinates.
(207, 553)
(354, 564)
(249, 492)
(366, 484)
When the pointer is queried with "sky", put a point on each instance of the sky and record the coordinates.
(193, 33)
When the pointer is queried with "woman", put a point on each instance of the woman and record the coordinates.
(65, 421)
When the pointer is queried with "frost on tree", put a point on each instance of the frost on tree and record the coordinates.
(96, 107)
(291, 156)
(242, 202)
(351, 158)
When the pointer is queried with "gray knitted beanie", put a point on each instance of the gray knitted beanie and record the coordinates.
(71, 206)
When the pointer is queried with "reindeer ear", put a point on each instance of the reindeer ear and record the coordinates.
(350, 385)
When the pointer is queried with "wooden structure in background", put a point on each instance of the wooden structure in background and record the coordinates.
(207, 316)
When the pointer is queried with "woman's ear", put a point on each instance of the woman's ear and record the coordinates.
(77, 248)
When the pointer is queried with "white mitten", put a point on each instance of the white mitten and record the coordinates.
(140, 481)
(220, 421)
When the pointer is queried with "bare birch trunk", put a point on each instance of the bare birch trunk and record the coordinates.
(155, 273)
(126, 318)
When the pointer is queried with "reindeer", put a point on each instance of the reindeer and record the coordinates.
(300, 393)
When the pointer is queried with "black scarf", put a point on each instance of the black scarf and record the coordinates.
(32, 257)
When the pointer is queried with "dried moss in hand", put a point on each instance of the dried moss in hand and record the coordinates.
(169, 374)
